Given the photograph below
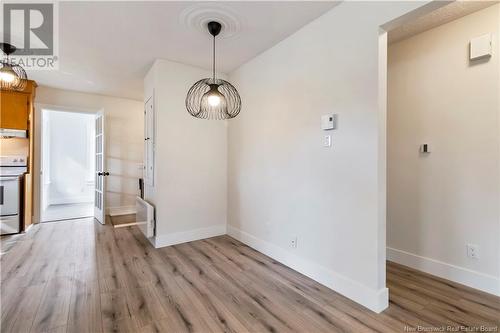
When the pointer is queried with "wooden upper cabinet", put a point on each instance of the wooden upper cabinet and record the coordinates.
(14, 109)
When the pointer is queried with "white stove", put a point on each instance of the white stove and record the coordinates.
(12, 169)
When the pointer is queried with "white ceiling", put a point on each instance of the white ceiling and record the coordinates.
(107, 47)
(440, 16)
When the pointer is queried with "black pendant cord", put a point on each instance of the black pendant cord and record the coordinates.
(213, 63)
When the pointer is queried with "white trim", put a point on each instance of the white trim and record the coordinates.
(121, 210)
(382, 159)
(61, 108)
(375, 300)
(465, 276)
(188, 236)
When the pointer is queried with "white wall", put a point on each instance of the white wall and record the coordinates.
(284, 184)
(69, 157)
(191, 160)
(124, 139)
(439, 202)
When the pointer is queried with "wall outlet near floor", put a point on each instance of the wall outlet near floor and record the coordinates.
(293, 243)
(473, 251)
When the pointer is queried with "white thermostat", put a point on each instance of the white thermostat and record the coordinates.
(481, 47)
(328, 122)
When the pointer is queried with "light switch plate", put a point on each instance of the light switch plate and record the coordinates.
(327, 141)
(481, 47)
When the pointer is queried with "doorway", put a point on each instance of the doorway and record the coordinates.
(68, 165)
(442, 148)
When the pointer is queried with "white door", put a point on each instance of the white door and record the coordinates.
(100, 169)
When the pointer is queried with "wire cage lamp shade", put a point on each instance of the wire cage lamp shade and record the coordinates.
(12, 76)
(213, 98)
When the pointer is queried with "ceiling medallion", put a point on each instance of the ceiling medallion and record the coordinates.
(198, 16)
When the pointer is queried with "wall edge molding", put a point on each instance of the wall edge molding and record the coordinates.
(375, 300)
(470, 278)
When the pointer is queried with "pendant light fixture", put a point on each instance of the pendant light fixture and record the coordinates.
(213, 98)
(12, 76)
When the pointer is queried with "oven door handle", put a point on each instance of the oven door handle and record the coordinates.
(4, 187)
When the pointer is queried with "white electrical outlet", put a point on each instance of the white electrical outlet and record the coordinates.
(473, 251)
(293, 243)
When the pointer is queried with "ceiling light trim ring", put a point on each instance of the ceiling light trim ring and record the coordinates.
(198, 16)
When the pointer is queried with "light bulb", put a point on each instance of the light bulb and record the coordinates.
(7, 76)
(213, 100)
(213, 97)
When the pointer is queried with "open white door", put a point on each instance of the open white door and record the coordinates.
(100, 173)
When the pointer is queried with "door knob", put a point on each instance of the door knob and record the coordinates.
(103, 173)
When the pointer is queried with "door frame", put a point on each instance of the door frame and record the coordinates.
(38, 151)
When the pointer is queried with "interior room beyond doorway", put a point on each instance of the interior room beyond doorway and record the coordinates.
(68, 166)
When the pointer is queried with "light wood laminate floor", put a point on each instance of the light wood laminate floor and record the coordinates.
(81, 276)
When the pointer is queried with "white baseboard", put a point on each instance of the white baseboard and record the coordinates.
(188, 236)
(468, 277)
(121, 210)
(375, 300)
